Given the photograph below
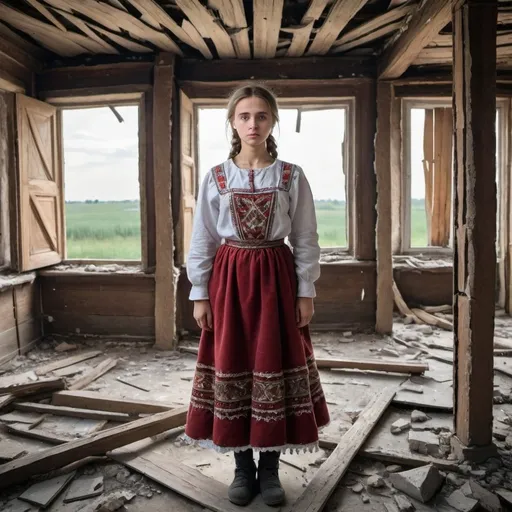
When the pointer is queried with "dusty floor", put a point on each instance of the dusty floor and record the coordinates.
(168, 377)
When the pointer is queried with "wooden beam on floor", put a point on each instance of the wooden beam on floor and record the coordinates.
(424, 25)
(376, 365)
(68, 361)
(95, 401)
(94, 373)
(165, 282)
(340, 13)
(323, 484)
(97, 444)
(384, 319)
(474, 25)
(33, 388)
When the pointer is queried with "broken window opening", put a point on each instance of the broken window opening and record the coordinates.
(312, 137)
(428, 177)
(101, 176)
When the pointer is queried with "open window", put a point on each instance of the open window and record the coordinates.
(314, 136)
(427, 205)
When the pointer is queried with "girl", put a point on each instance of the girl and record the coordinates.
(256, 385)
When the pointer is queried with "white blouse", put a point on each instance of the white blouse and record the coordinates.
(263, 204)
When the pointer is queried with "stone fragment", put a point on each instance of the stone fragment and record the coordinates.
(488, 500)
(460, 502)
(400, 426)
(426, 443)
(376, 482)
(403, 504)
(419, 417)
(358, 488)
(419, 483)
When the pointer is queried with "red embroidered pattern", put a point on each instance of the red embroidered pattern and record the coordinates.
(286, 175)
(220, 178)
(253, 214)
(262, 396)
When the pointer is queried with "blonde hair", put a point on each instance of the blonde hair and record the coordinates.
(249, 91)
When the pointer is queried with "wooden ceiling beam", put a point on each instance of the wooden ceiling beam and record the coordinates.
(378, 23)
(372, 36)
(302, 34)
(187, 33)
(341, 12)
(47, 14)
(232, 14)
(208, 26)
(267, 18)
(321, 68)
(424, 25)
(116, 20)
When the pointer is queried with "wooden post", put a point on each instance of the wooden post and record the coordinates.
(384, 321)
(164, 274)
(474, 106)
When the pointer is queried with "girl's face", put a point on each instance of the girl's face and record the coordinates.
(253, 121)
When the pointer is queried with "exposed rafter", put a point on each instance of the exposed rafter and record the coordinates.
(232, 13)
(267, 22)
(424, 25)
(208, 27)
(47, 14)
(302, 33)
(341, 12)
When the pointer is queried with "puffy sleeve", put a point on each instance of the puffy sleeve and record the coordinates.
(205, 239)
(304, 236)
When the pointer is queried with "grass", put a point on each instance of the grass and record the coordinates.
(111, 230)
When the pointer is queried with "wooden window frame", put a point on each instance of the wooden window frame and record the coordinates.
(139, 99)
(349, 150)
(407, 104)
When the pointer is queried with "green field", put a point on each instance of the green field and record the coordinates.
(111, 230)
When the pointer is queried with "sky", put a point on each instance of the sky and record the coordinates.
(101, 154)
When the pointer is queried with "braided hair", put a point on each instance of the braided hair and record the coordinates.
(249, 91)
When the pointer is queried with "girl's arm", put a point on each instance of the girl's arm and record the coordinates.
(303, 236)
(205, 239)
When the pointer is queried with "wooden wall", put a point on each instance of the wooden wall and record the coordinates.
(98, 303)
(20, 319)
(428, 287)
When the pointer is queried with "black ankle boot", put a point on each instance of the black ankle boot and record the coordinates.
(243, 488)
(268, 475)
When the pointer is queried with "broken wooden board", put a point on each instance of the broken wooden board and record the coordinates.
(71, 371)
(33, 388)
(84, 488)
(182, 479)
(328, 476)
(93, 374)
(93, 400)
(10, 450)
(20, 429)
(436, 395)
(44, 493)
(72, 412)
(68, 361)
(96, 444)
(5, 400)
(19, 417)
(373, 364)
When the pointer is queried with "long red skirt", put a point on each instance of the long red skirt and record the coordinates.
(256, 383)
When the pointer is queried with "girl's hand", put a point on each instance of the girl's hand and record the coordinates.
(304, 311)
(203, 314)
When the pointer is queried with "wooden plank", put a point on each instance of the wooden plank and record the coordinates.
(73, 323)
(95, 373)
(373, 36)
(384, 321)
(95, 401)
(47, 14)
(475, 219)
(96, 444)
(377, 365)
(72, 412)
(20, 429)
(302, 33)
(232, 14)
(68, 361)
(340, 13)
(267, 16)
(180, 478)
(5, 400)
(311, 68)
(208, 27)
(42, 494)
(33, 388)
(322, 485)
(425, 24)
(432, 320)
(402, 306)
(165, 323)
(374, 24)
